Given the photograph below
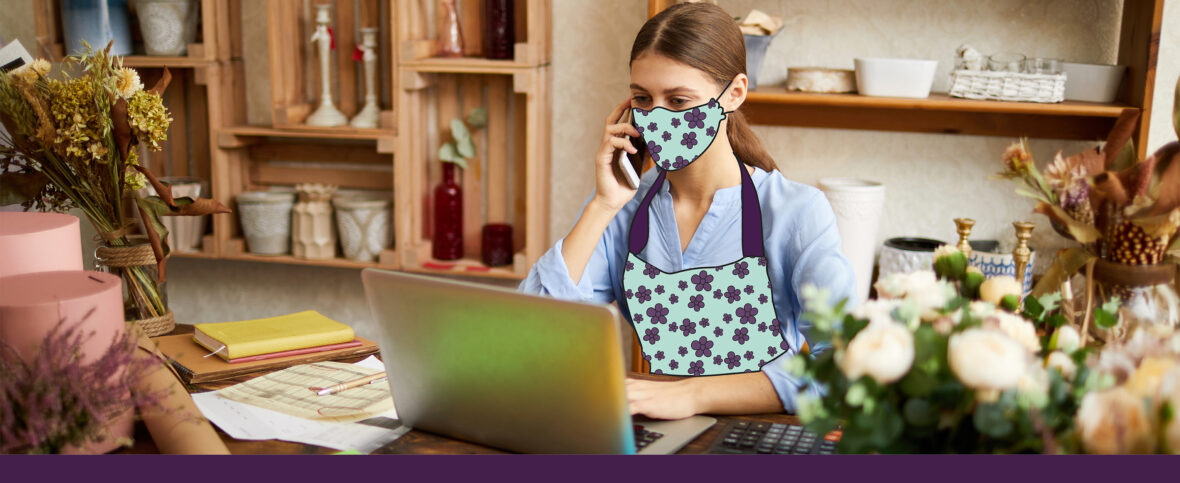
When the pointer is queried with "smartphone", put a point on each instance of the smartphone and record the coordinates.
(625, 164)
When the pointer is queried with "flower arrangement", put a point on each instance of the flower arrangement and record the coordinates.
(54, 400)
(70, 143)
(943, 362)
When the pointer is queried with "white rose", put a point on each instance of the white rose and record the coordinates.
(897, 285)
(883, 351)
(994, 289)
(981, 309)
(1016, 327)
(986, 359)
(1066, 338)
(876, 311)
(1058, 360)
(1114, 421)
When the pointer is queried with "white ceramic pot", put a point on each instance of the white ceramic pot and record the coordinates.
(266, 221)
(1001, 264)
(906, 255)
(1092, 82)
(365, 225)
(857, 204)
(895, 77)
(168, 26)
(184, 232)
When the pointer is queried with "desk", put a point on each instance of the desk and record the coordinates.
(414, 442)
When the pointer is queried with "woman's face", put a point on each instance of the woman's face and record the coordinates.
(658, 81)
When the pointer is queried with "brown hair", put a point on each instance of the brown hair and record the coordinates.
(704, 37)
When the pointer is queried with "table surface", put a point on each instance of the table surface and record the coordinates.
(414, 442)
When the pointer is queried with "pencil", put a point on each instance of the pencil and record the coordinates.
(324, 391)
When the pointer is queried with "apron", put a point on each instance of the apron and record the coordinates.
(705, 320)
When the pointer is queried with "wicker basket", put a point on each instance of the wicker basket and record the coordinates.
(1007, 86)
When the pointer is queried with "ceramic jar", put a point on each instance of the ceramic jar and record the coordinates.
(365, 225)
(857, 204)
(96, 22)
(168, 26)
(995, 262)
(312, 233)
(266, 221)
(905, 255)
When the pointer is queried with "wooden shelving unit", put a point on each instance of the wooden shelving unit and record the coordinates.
(1138, 50)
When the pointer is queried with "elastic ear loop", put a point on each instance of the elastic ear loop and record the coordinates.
(718, 99)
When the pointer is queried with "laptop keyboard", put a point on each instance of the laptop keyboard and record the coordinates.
(644, 437)
(746, 437)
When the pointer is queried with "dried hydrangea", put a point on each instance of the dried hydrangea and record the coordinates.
(78, 124)
(149, 119)
(132, 178)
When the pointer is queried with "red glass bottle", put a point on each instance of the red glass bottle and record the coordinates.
(448, 217)
(499, 31)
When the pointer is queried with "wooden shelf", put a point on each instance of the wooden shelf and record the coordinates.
(467, 267)
(938, 113)
(311, 132)
(465, 65)
(234, 250)
(148, 61)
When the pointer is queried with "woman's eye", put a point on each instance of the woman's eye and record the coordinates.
(679, 101)
(640, 99)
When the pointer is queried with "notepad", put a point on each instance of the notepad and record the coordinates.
(246, 338)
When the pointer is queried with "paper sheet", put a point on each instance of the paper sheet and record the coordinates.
(245, 421)
(288, 391)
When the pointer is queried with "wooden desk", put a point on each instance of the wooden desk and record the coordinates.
(414, 442)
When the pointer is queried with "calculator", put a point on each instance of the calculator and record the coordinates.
(747, 437)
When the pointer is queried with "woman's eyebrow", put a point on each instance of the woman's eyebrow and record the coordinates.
(670, 90)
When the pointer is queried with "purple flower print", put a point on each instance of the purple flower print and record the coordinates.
(696, 368)
(762, 298)
(660, 355)
(642, 112)
(696, 302)
(771, 351)
(745, 314)
(688, 327)
(727, 318)
(658, 313)
(774, 328)
(733, 360)
(702, 281)
(654, 149)
(652, 126)
(683, 285)
(660, 289)
(695, 118)
(652, 335)
(665, 164)
(718, 332)
(661, 371)
(629, 294)
(643, 294)
(651, 271)
(749, 355)
(683, 350)
(703, 347)
(741, 335)
(717, 360)
(761, 261)
(673, 298)
(762, 327)
(718, 269)
(717, 294)
(741, 269)
(761, 362)
(749, 289)
(705, 322)
(628, 266)
(637, 318)
(679, 163)
(689, 140)
(647, 358)
(667, 136)
(732, 294)
(712, 103)
(673, 365)
(639, 128)
(783, 345)
(711, 131)
(673, 327)
(676, 122)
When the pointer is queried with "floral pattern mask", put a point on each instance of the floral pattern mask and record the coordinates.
(677, 138)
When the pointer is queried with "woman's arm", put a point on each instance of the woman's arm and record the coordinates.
(748, 393)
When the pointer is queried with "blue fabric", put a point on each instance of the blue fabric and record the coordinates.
(802, 245)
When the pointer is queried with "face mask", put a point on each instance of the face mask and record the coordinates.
(677, 138)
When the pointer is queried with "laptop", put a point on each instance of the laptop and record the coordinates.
(509, 370)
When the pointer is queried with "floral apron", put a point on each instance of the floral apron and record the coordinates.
(705, 320)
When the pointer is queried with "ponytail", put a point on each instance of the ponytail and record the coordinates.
(746, 144)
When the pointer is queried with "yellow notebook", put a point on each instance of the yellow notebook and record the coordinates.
(233, 340)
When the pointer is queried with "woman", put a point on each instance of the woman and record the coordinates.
(708, 257)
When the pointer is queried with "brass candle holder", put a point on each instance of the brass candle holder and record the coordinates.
(1021, 253)
(964, 229)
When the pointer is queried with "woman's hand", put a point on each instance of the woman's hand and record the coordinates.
(610, 193)
(662, 399)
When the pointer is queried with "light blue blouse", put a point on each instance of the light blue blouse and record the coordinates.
(801, 240)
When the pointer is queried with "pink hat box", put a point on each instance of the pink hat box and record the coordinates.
(39, 242)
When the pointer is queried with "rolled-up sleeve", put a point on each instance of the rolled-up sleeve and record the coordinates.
(550, 276)
(787, 385)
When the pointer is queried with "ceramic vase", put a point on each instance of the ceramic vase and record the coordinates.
(326, 115)
(997, 262)
(370, 114)
(858, 205)
(906, 255)
(168, 26)
(266, 221)
(312, 234)
(96, 22)
(365, 226)
(756, 46)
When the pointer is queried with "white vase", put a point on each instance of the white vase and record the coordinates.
(858, 205)
(312, 233)
(266, 221)
(168, 26)
(905, 255)
(365, 225)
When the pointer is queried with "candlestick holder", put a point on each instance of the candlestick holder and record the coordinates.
(1021, 254)
(370, 114)
(964, 229)
(326, 115)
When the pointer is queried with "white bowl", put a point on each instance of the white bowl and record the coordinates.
(895, 77)
(1092, 82)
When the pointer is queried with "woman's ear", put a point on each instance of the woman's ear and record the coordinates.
(735, 95)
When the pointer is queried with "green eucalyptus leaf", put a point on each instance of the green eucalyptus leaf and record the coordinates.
(477, 118)
(1033, 308)
(467, 148)
(447, 152)
(459, 131)
(1105, 319)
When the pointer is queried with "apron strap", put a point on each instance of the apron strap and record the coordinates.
(751, 217)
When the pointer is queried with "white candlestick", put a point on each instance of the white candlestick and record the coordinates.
(326, 115)
(370, 114)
